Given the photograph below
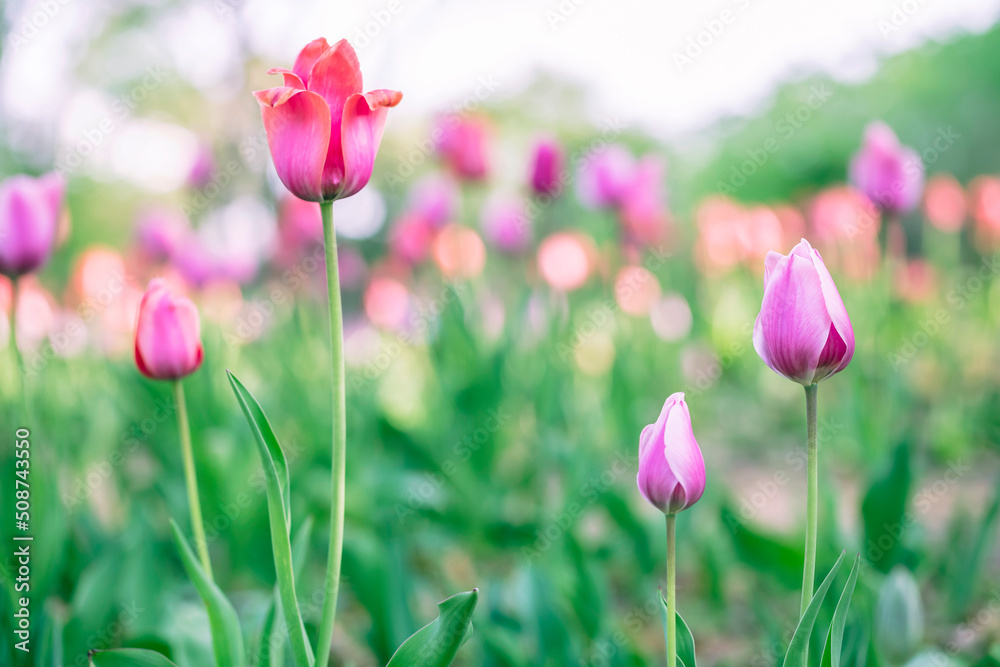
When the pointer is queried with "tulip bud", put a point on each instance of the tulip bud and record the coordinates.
(891, 175)
(167, 335)
(671, 468)
(899, 617)
(605, 176)
(546, 168)
(29, 220)
(803, 331)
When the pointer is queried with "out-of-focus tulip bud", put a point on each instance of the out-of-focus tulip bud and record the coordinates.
(671, 468)
(161, 231)
(604, 178)
(899, 617)
(803, 331)
(323, 132)
(888, 173)
(643, 209)
(506, 225)
(464, 145)
(546, 167)
(435, 198)
(944, 203)
(29, 220)
(167, 334)
(411, 238)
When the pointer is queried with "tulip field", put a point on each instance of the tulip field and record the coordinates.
(292, 376)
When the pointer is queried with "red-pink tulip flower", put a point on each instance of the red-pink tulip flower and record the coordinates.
(167, 335)
(671, 468)
(890, 174)
(605, 177)
(803, 331)
(29, 220)
(546, 167)
(322, 131)
(464, 145)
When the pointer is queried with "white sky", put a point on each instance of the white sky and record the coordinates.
(624, 52)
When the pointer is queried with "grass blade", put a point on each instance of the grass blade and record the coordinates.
(436, 644)
(128, 657)
(835, 638)
(795, 656)
(685, 640)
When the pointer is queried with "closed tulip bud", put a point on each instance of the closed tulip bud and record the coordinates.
(546, 167)
(803, 331)
(29, 220)
(167, 335)
(899, 617)
(671, 468)
(890, 174)
(323, 132)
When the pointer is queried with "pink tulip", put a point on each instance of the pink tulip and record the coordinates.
(671, 468)
(643, 211)
(411, 238)
(944, 203)
(546, 167)
(605, 176)
(506, 225)
(464, 145)
(435, 198)
(889, 174)
(803, 331)
(167, 335)
(29, 220)
(161, 231)
(322, 131)
(300, 227)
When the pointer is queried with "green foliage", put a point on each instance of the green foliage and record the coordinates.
(436, 644)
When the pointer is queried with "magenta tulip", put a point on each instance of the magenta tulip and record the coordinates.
(29, 220)
(167, 335)
(322, 131)
(464, 143)
(161, 232)
(891, 175)
(671, 468)
(506, 224)
(546, 167)
(803, 331)
(434, 198)
(605, 177)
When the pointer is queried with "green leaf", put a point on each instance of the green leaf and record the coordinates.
(795, 656)
(128, 657)
(685, 640)
(227, 637)
(835, 638)
(300, 545)
(275, 474)
(436, 644)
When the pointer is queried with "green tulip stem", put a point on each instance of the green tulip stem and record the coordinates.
(22, 375)
(191, 477)
(812, 499)
(671, 593)
(339, 439)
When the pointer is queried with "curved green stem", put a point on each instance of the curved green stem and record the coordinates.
(812, 499)
(671, 593)
(332, 589)
(191, 478)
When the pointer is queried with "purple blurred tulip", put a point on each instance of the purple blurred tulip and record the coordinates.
(167, 334)
(29, 220)
(891, 175)
(434, 198)
(506, 225)
(671, 468)
(161, 231)
(464, 144)
(803, 331)
(606, 176)
(546, 167)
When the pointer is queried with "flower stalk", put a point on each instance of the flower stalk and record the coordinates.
(671, 592)
(191, 479)
(812, 499)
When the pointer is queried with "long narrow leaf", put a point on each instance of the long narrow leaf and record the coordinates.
(835, 638)
(436, 644)
(227, 637)
(277, 510)
(271, 650)
(685, 640)
(128, 657)
(795, 656)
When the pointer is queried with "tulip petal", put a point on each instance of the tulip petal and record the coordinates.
(793, 326)
(29, 213)
(297, 123)
(770, 262)
(336, 75)
(168, 334)
(292, 80)
(361, 134)
(308, 56)
(671, 467)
